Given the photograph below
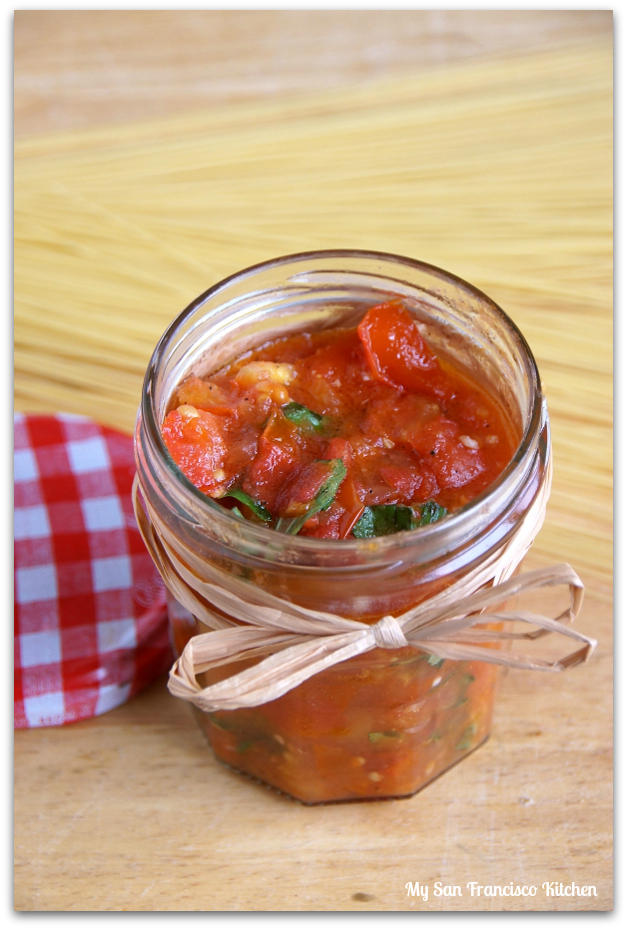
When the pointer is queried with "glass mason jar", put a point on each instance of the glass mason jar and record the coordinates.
(386, 723)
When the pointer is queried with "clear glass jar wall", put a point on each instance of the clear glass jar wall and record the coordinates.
(388, 722)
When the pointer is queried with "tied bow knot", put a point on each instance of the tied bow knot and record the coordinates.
(388, 633)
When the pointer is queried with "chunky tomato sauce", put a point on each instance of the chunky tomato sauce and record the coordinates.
(342, 433)
(380, 725)
(347, 433)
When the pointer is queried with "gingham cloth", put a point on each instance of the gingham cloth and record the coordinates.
(90, 617)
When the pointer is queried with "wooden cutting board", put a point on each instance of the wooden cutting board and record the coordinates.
(499, 171)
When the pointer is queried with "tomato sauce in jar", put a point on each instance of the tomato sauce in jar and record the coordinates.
(342, 433)
(383, 724)
(347, 433)
(351, 432)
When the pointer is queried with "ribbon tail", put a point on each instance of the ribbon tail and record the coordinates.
(266, 681)
(459, 651)
(447, 607)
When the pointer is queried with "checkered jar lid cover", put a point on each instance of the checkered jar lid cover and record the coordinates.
(90, 615)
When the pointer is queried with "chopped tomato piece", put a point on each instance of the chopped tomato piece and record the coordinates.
(340, 448)
(300, 492)
(279, 429)
(414, 484)
(243, 447)
(332, 361)
(350, 502)
(325, 525)
(396, 352)
(453, 463)
(333, 373)
(269, 471)
(398, 417)
(347, 500)
(197, 445)
(337, 522)
(205, 396)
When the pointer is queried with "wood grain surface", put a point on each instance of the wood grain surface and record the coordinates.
(498, 169)
(81, 68)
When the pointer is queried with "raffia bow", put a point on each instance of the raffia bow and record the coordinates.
(299, 642)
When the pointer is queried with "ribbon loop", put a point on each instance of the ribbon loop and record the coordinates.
(388, 633)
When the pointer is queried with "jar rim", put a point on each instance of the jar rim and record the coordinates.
(430, 535)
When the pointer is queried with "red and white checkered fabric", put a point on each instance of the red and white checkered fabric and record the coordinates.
(90, 615)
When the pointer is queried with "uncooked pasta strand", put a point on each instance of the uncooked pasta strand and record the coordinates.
(499, 171)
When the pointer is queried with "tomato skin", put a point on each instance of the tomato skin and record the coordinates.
(205, 396)
(197, 446)
(274, 464)
(414, 484)
(340, 448)
(396, 352)
(399, 416)
(269, 471)
(340, 359)
(299, 492)
(325, 525)
(453, 464)
(329, 376)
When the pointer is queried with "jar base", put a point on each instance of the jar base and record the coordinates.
(199, 715)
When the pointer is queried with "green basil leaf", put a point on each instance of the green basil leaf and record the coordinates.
(383, 520)
(303, 417)
(378, 737)
(435, 662)
(253, 505)
(322, 501)
(465, 681)
(429, 512)
(467, 738)
(388, 518)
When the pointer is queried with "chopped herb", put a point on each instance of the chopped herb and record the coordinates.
(435, 662)
(378, 737)
(322, 501)
(218, 723)
(435, 737)
(382, 520)
(467, 737)
(244, 746)
(430, 512)
(259, 510)
(388, 518)
(465, 681)
(303, 417)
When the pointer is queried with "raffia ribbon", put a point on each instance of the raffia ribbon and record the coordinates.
(300, 642)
